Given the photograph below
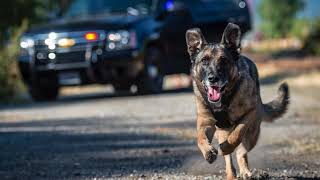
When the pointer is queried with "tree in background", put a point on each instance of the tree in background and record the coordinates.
(15, 17)
(311, 43)
(278, 16)
(14, 12)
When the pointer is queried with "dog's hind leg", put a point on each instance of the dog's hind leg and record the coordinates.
(242, 159)
(230, 170)
(248, 143)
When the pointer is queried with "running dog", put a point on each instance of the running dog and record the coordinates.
(229, 106)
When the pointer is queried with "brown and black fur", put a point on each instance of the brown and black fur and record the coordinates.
(235, 119)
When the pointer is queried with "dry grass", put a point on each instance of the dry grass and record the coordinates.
(309, 79)
(272, 67)
(310, 145)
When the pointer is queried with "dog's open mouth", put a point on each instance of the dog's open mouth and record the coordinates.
(214, 93)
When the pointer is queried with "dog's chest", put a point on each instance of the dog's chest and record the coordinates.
(229, 118)
(244, 101)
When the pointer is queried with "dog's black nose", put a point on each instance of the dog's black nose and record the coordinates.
(213, 79)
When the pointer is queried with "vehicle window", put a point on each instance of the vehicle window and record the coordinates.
(101, 7)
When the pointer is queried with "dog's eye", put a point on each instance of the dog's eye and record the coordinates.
(204, 61)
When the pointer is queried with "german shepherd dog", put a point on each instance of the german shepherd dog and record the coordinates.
(229, 106)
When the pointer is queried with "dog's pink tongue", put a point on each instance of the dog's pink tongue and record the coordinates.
(214, 93)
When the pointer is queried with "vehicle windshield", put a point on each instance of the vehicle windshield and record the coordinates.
(81, 8)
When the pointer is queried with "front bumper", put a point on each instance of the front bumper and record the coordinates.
(92, 66)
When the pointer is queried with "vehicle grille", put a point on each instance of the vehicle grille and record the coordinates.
(70, 57)
(61, 58)
(72, 54)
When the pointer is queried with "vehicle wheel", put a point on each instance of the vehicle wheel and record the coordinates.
(42, 93)
(120, 87)
(151, 79)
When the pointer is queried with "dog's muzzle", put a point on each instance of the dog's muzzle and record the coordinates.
(214, 92)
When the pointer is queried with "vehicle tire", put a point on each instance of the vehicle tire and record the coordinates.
(122, 87)
(151, 79)
(43, 93)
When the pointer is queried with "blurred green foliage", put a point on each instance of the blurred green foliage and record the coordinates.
(9, 77)
(278, 16)
(14, 12)
(300, 28)
(312, 42)
(15, 16)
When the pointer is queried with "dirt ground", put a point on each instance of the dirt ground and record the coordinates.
(103, 136)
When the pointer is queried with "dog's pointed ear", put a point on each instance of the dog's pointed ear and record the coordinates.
(195, 41)
(231, 37)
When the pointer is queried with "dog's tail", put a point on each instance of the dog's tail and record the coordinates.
(278, 106)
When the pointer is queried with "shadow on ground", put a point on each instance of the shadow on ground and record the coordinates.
(85, 148)
(58, 149)
(74, 99)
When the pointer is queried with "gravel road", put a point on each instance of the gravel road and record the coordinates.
(146, 137)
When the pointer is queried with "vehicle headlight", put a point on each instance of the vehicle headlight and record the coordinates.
(26, 42)
(120, 40)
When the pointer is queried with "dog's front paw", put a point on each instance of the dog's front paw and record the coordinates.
(226, 148)
(211, 154)
(254, 174)
(246, 175)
